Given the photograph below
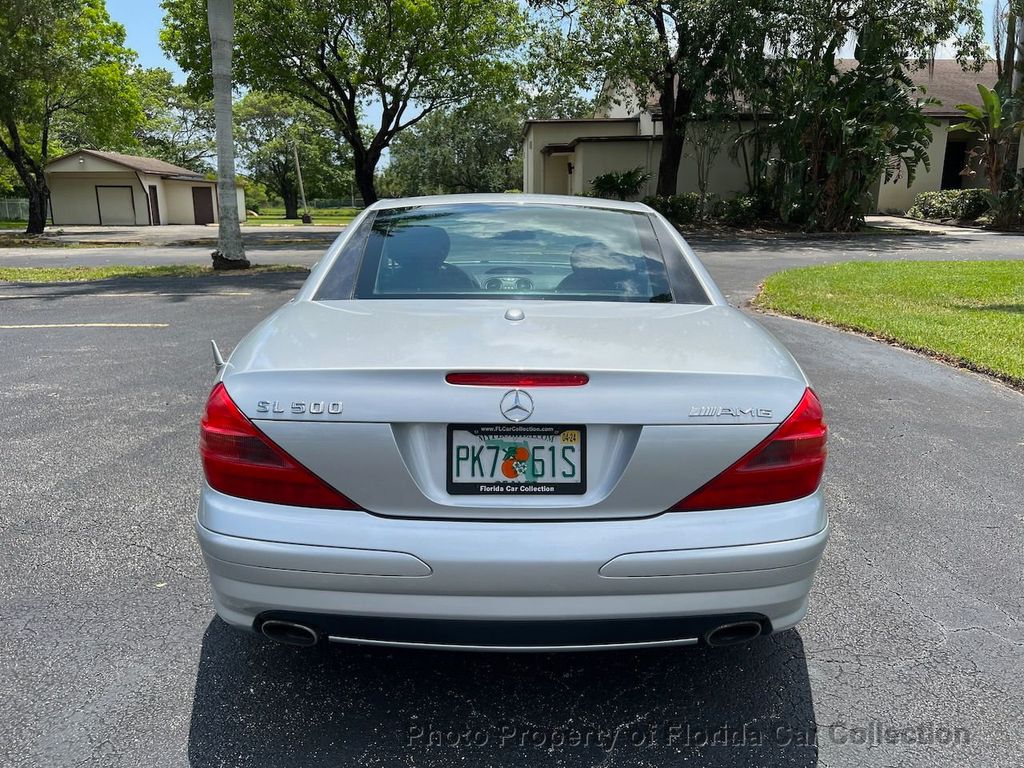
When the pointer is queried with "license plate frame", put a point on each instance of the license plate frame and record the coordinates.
(553, 433)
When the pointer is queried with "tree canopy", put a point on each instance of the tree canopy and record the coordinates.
(476, 148)
(176, 127)
(269, 126)
(408, 58)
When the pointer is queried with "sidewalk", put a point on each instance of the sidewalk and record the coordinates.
(915, 225)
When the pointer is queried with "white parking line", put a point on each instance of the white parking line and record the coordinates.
(84, 325)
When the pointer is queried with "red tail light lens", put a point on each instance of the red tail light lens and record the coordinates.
(786, 465)
(514, 379)
(239, 460)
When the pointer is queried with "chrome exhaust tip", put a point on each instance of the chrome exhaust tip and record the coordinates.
(733, 634)
(289, 633)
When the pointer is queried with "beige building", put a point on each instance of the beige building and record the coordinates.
(563, 157)
(108, 188)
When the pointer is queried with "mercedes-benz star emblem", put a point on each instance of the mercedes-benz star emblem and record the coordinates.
(517, 405)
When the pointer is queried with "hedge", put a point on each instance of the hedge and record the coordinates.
(960, 204)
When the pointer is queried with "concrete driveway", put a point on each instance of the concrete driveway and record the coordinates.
(113, 657)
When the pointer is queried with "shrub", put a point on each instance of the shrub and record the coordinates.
(679, 209)
(961, 204)
(622, 185)
(739, 211)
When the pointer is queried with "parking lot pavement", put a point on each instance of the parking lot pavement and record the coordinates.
(112, 655)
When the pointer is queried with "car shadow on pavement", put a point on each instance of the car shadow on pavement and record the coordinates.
(262, 704)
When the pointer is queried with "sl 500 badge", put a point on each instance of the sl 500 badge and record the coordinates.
(299, 407)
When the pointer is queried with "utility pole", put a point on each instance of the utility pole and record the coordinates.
(306, 219)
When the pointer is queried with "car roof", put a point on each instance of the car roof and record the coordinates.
(578, 201)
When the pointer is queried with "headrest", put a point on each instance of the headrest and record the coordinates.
(418, 247)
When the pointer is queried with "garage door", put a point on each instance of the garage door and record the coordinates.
(117, 205)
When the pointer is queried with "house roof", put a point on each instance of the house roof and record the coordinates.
(632, 119)
(948, 83)
(566, 121)
(136, 163)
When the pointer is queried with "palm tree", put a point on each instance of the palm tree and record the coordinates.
(230, 253)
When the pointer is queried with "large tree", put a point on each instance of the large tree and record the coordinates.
(63, 68)
(472, 149)
(684, 53)
(406, 59)
(176, 127)
(271, 129)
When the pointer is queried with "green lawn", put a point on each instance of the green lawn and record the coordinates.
(14, 225)
(83, 274)
(335, 216)
(969, 313)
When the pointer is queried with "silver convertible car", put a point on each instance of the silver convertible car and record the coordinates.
(503, 422)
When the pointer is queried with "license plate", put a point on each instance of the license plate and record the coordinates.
(509, 459)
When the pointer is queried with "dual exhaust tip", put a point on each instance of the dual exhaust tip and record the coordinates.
(733, 634)
(291, 633)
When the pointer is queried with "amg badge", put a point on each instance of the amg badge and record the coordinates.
(699, 411)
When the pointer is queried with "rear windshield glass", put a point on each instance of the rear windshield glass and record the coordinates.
(532, 251)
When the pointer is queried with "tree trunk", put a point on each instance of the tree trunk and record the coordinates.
(675, 105)
(38, 196)
(671, 156)
(364, 180)
(230, 253)
(291, 203)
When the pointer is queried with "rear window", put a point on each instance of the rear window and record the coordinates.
(529, 251)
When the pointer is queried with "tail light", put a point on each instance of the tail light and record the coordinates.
(239, 460)
(786, 465)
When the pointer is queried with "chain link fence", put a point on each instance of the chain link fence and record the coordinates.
(352, 201)
(13, 209)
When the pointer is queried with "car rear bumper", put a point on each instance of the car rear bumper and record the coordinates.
(361, 572)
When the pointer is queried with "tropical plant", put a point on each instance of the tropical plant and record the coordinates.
(995, 133)
(230, 253)
(622, 185)
(824, 134)
(856, 126)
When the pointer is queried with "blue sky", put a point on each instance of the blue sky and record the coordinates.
(142, 20)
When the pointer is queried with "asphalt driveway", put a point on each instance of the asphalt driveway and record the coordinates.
(112, 655)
